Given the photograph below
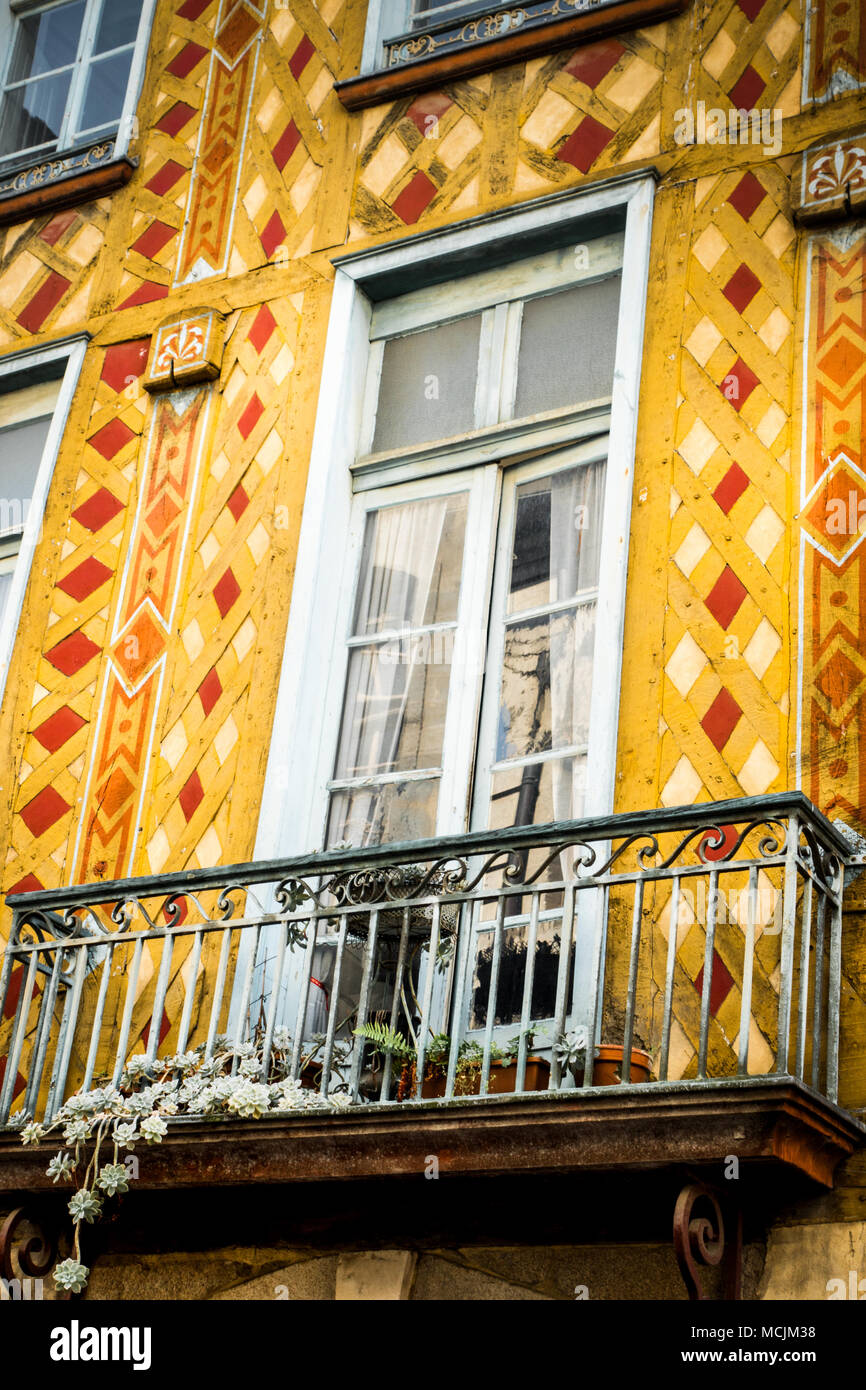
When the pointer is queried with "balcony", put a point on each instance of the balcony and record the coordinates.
(699, 950)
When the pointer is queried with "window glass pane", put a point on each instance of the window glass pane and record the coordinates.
(546, 683)
(427, 388)
(411, 565)
(117, 25)
(33, 114)
(538, 793)
(508, 996)
(392, 812)
(567, 347)
(105, 91)
(428, 12)
(46, 40)
(557, 537)
(396, 697)
(394, 710)
(21, 447)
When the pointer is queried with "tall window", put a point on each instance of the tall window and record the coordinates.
(67, 77)
(493, 567)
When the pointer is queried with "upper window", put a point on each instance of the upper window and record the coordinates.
(402, 31)
(67, 79)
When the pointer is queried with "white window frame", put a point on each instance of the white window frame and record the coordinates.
(71, 350)
(123, 133)
(290, 821)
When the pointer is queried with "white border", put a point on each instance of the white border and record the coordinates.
(284, 819)
(73, 349)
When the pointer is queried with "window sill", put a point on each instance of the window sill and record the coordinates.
(63, 181)
(356, 93)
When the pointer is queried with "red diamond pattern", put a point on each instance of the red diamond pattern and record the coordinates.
(189, 57)
(726, 597)
(721, 719)
(98, 510)
(191, 796)
(721, 984)
(251, 416)
(85, 579)
(53, 732)
(111, 438)
(747, 196)
(238, 502)
(175, 118)
(53, 230)
(147, 293)
(739, 384)
(434, 104)
(226, 591)
(124, 362)
(153, 239)
(28, 884)
(264, 324)
(712, 851)
(165, 177)
(43, 811)
(741, 288)
(210, 690)
(301, 56)
(415, 198)
(286, 146)
(731, 488)
(751, 8)
(745, 93)
(273, 234)
(72, 653)
(585, 144)
(46, 298)
(591, 65)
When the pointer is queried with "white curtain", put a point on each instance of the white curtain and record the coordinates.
(396, 593)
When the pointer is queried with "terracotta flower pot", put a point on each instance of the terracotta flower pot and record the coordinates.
(607, 1070)
(503, 1079)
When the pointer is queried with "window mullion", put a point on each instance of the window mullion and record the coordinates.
(467, 671)
(488, 384)
(510, 350)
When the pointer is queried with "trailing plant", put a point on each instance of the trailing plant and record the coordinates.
(100, 1125)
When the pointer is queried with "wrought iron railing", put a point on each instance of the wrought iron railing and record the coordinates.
(707, 937)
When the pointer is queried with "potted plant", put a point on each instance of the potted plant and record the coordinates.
(502, 1079)
(607, 1062)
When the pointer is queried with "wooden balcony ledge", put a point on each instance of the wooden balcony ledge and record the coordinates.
(775, 1124)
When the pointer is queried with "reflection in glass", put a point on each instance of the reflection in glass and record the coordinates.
(105, 91)
(46, 41)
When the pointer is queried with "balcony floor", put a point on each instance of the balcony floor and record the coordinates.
(774, 1124)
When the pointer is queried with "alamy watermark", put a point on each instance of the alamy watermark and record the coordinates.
(717, 126)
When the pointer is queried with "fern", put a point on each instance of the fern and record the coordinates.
(386, 1040)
